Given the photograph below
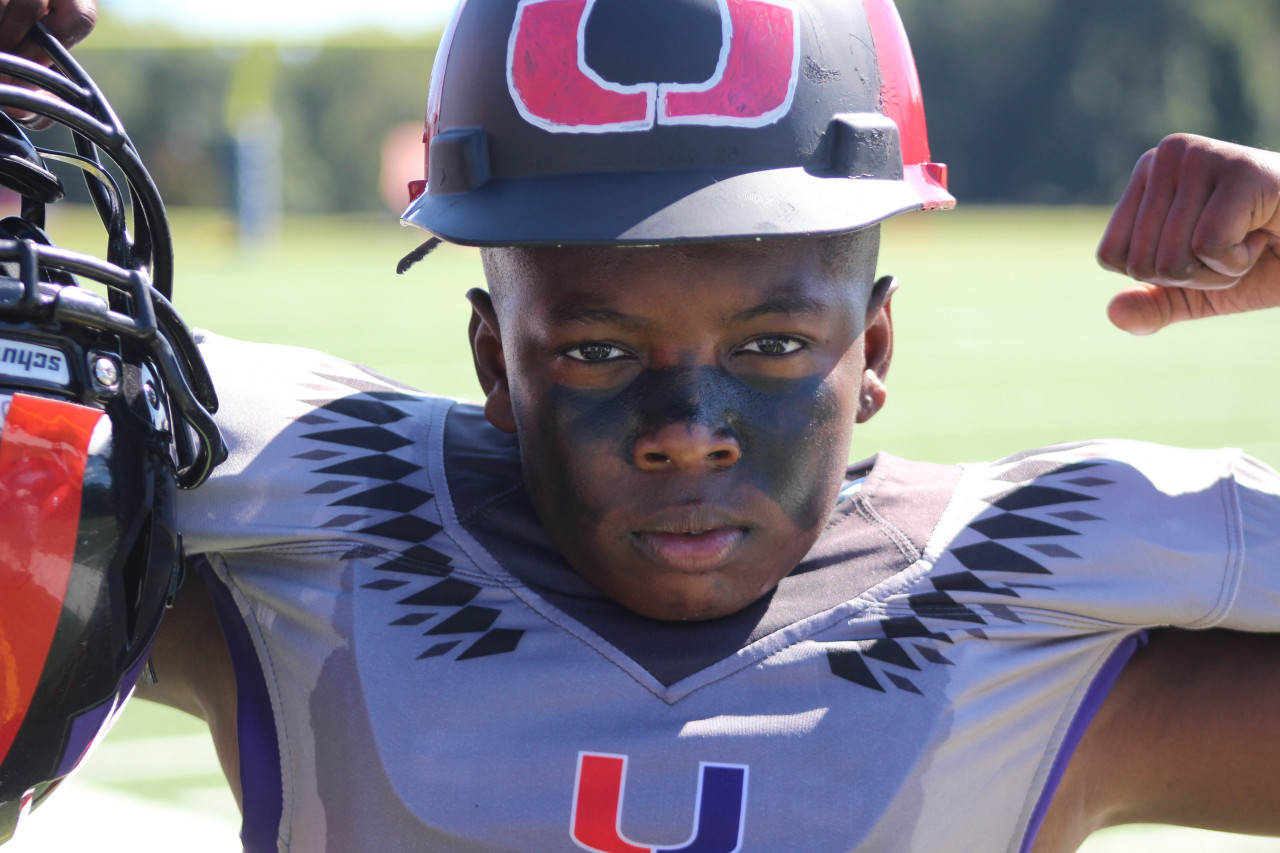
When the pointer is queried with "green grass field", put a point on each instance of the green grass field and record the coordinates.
(1002, 344)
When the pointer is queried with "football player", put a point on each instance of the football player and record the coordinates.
(636, 600)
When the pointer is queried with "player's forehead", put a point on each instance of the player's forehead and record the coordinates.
(639, 273)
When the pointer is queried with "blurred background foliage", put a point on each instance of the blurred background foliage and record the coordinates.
(1042, 101)
(1052, 101)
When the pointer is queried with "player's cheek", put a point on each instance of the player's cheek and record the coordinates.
(572, 444)
(795, 444)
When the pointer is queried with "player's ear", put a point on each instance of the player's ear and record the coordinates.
(490, 360)
(877, 348)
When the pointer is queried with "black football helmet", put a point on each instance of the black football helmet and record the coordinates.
(105, 408)
(558, 122)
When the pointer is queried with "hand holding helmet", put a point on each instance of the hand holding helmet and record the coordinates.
(68, 21)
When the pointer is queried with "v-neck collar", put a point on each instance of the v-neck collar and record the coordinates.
(877, 530)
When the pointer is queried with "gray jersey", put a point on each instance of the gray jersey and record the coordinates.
(419, 670)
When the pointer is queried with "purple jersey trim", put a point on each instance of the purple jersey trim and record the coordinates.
(84, 730)
(1098, 691)
(92, 724)
(261, 785)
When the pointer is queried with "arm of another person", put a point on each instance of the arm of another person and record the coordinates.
(194, 672)
(1190, 734)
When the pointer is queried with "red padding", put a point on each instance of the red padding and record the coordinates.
(43, 449)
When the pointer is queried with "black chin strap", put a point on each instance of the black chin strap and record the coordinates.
(407, 262)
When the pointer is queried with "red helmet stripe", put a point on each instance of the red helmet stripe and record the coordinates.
(903, 102)
(44, 447)
(899, 83)
(549, 78)
(757, 79)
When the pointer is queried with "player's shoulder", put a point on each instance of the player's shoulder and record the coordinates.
(239, 367)
(308, 435)
(1136, 465)
(265, 388)
(1106, 531)
(1140, 490)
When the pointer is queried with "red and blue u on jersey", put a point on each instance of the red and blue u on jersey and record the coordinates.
(597, 808)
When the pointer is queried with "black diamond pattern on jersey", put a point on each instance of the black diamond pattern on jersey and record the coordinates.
(329, 487)
(405, 528)
(1011, 526)
(366, 458)
(849, 665)
(889, 651)
(964, 598)
(897, 627)
(345, 520)
(365, 438)
(363, 408)
(413, 619)
(932, 655)
(381, 467)
(392, 497)
(440, 649)
(384, 585)
(1003, 611)
(317, 455)
(1049, 549)
(418, 560)
(468, 620)
(967, 582)
(903, 683)
(993, 557)
(1090, 482)
(940, 605)
(449, 592)
(1075, 515)
(496, 642)
(1031, 497)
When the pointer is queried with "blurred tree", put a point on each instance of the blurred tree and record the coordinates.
(172, 103)
(334, 104)
(337, 106)
(1053, 101)
(1028, 100)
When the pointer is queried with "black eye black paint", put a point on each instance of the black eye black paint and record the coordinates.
(784, 427)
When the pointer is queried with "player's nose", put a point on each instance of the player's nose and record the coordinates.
(687, 447)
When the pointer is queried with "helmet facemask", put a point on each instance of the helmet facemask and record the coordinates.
(105, 409)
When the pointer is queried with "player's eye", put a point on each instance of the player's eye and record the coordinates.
(774, 345)
(594, 352)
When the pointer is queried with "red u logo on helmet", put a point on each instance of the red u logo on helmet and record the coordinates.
(554, 88)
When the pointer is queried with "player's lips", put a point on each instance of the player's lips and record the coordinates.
(695, 540)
